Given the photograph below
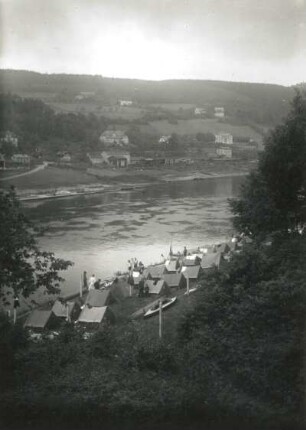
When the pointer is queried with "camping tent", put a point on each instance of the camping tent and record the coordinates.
(191, 262)
(120, 289)
(211, 260)
(63, 309)
(96, 315)
(155, 272)
(99, 298)
(175, 280)
(157, 287)
(192, 272)
(40, 320)
(223, 248)
(172, 265)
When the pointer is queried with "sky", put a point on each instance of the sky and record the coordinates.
(233, 40)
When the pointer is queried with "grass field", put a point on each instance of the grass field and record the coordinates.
(50, 177)
(194, 126)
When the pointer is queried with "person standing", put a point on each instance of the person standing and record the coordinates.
(85, 282)
(92, 280)
(185, 251)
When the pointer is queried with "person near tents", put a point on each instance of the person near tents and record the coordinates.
(141, 267)
(97, 284)
(85, 282)
(91, 284)
(185, 251)
(16, 302)
(141, 288)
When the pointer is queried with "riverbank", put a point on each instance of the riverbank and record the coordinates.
(56, 182)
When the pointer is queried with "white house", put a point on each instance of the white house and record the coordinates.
(125, 102)
(200, 111)
(116, 158)
(224, 138)
(10, 138)
(219, 112)
(164, 139)
(114, 138)
(21, 158)
(225, 152)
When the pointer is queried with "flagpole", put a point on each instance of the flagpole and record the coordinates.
(187, 277)
(160, 319)
(81, 285)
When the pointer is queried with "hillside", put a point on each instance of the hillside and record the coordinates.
(260, 103)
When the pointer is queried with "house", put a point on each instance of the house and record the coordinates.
(94, 317)
(83, 95)
(99, 298)
(114, 138)
(66, 310)
(10, 138)
(200, 111)
(210, 261)
(191, 272)
(219, 112)
(157, 287)
(164, 140)
(155, 272)
(65, 159)
(224, 138)
(175, 280)
(172, 265)
(125, 102)
(116, 158)
(224, 152)
(38, 320)
(21, 158)
(95, 158)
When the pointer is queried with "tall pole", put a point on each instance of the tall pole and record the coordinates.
(187, 277)
(81, 285)
(15, 315)
(160, 319)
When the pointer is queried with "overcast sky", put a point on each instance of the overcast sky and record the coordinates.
(237, 40)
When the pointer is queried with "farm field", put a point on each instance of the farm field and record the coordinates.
(194, 126)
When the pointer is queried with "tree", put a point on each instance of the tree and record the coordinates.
(274, 196)
(24, 267)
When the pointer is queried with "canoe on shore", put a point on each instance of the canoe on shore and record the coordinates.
(155, 309)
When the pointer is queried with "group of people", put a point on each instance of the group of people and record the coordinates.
(92, 283)
(135, 265)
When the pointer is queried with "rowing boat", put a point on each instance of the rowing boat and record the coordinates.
(155, 309)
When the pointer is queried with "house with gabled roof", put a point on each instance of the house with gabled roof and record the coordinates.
(114, 138)
(116, 158)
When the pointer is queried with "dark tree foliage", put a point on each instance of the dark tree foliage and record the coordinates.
(274, 196)
(24, 267)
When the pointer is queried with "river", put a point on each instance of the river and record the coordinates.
(99, 233)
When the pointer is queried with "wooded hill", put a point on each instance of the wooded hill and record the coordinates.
(260, 103)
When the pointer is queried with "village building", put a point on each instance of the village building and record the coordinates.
(224, 152)
(10, 138)
(164, 140)
(125, 102)
(219, 112)
(83, 95)
(21, 159)
(116, 158)
(114, 138)
(200, 111)
(224, 138)
(159, 287)
(95, 158)
(65, 159)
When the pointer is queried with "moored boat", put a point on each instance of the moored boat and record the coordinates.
(166, 302)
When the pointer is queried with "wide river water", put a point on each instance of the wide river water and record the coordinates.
(100, 232)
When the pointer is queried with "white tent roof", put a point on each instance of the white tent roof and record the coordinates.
(92, 315)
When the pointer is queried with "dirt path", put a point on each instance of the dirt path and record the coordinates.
(29, 172)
